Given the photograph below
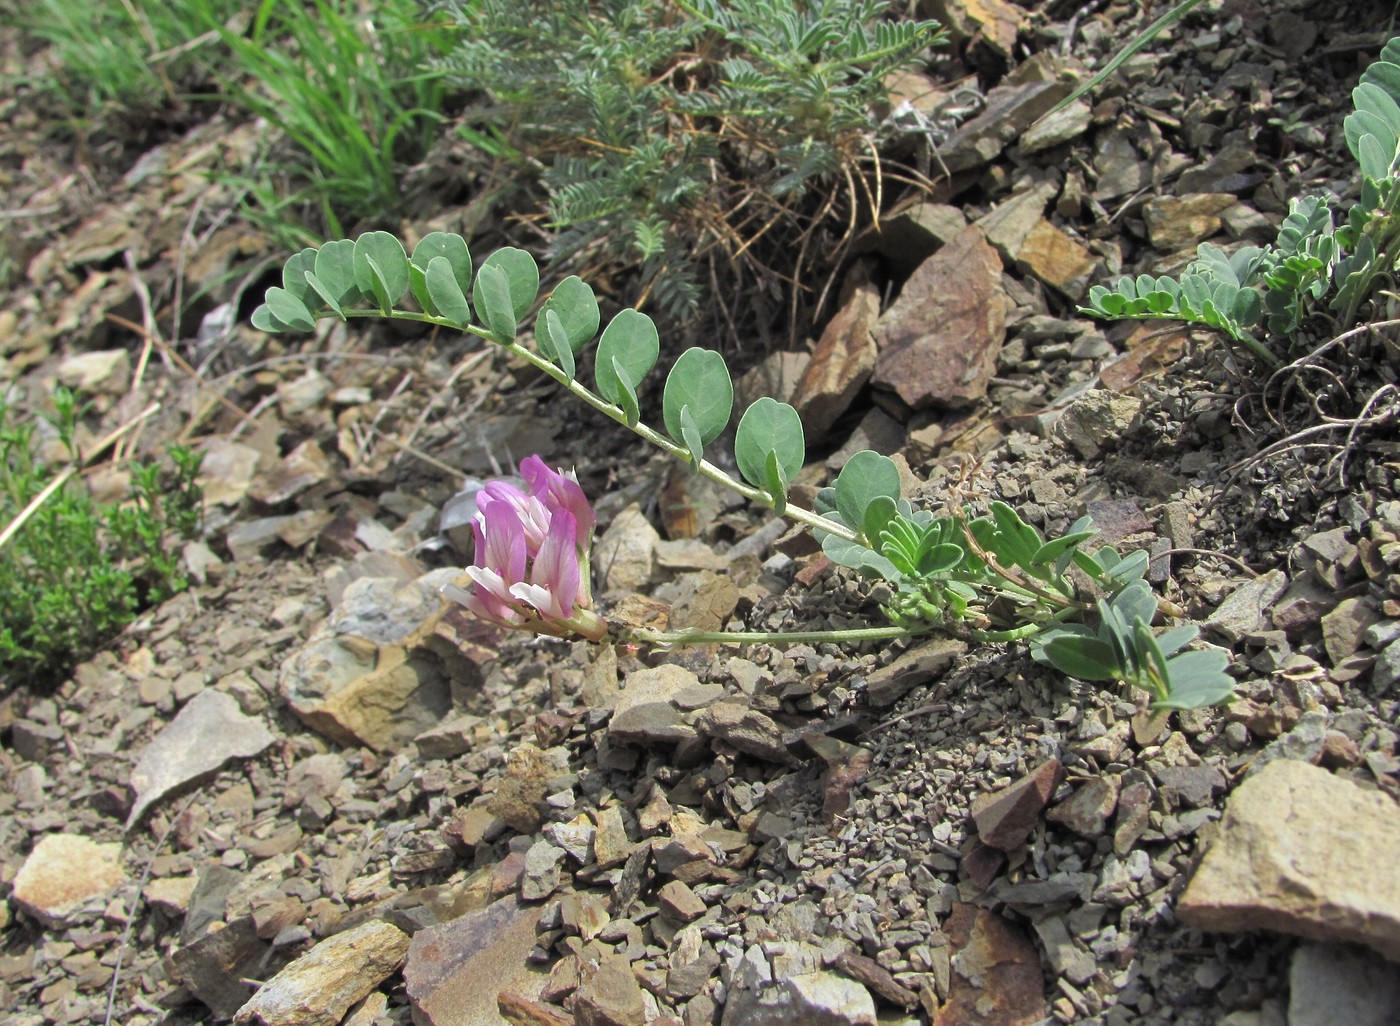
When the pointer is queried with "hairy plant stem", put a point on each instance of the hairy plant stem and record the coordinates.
(1385, 253)
(698, 637)
(803, 516)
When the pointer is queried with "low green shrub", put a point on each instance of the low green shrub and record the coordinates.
(77, 571)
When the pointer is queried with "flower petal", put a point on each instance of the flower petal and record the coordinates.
(554, 579)
(532, 513)
(505, 542)
(560, 491)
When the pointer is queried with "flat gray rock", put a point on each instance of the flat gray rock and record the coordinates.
(208, 732)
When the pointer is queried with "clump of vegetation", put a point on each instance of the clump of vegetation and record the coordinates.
(346, 87)
(991, 578)
(1315, 267)
(133, 55)
(350, 88)
(692, 139)
(73, 571)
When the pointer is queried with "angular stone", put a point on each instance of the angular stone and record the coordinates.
(625, 554)
(1066, 957)
(318, 988)
(65, 877)
(1329, 984)
(455, 972)
(105, 372)
(847, 766)
(924, 662)
(207, 733)
(519, 1010)
(909, 238)
(810, 999)
(1096, 421)
(1057, 259)
(304, 467)
(541, 877)
(679, 902)
(841, 363)
(693, 963)
(1057, 127)
(1086, 811)
(611, 845)
(171, 894)
(746, 729)
(381, 670)
(1243, 610)
(1176, 222)
(214, 967)
(996, 979)
(1008, 224)
(993, 23)
(227, 471)
(875, 977)
(529, 770)
(644, 713)
(1345, 626)
(1012, 107)
(1277, 864)
(940, 340)
(610, 996)
(705, 601)
(1006, 818)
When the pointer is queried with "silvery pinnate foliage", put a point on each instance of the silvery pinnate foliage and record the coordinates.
(671, 130)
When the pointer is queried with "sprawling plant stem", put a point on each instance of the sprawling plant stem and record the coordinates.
(705, 468)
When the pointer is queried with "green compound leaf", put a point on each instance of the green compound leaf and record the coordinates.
(626, 353)
(699, 387)
(493, 302)
(1373, 99)
(289, 310)
(553, 340)
(867, 475)
(576, 308)
(445, 296)
(381, 269)
(326, 296)
(451, 248)
(1015, 540)
(1374, 158)
(335, 274)
(1052, 550)
(522, 279)
(769, 426)
(294, 277)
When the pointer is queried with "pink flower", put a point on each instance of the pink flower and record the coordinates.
(531, 569)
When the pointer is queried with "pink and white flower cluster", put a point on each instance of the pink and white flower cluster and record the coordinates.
(532, 546)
